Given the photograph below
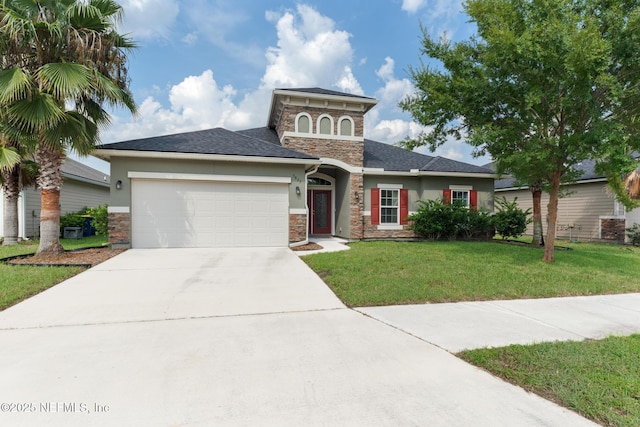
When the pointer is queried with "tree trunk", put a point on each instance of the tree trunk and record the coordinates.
(11, 194)
(50, 182)
(538, 239)
(552, 212)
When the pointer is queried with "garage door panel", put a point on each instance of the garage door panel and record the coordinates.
(208, 214)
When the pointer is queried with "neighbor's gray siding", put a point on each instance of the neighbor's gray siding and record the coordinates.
(74, 195)
(581, 207)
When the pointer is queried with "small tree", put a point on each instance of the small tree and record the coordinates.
(544, 86)
(510, 220)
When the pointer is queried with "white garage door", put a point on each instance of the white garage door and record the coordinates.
(200, 214)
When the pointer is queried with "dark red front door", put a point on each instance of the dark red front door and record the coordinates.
(320, 205)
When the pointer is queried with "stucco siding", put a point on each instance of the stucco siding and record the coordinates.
(578, 212)
(120, 167)
(430, 188)
(343, 221)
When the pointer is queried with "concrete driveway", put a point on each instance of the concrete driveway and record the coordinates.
(232, 337)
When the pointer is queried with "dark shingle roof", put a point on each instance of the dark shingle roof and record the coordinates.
(388, 157)
(210, 141)
(320, 91)
(264, 133)
(72, 168)
(588, 168)
(391, 158)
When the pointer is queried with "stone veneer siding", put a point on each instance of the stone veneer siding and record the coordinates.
(119, 227)
(356, 206)
(612, 229)
(297, 228)
(287, 121)
(372, 232)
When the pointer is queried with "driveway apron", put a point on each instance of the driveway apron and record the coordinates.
(203, 337)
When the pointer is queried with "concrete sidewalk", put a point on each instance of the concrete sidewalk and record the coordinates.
(467, 325)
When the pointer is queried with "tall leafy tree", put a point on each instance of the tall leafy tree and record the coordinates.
(63, 60)
(544, 85)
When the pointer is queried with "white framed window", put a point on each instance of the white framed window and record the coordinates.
(389, 206)
(346, 126)
(303, 123)
(460, 196)
(325, 124)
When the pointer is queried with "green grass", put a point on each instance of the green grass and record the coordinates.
(598, 379)
(19, 282)
(386, 273)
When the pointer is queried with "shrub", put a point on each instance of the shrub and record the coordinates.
(633, 233)
(436, 220)
(100, 220)
(510, 220)
(71, 220)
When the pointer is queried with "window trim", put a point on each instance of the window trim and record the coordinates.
(350, 119)
(331, 129)
(308, 116)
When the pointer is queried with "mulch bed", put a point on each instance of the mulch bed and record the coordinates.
(84, 257)
(308, 247)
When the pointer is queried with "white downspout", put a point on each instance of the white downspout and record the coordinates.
(306, 179)
(22, 219)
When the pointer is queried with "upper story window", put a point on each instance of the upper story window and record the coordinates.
(303, 123)
(325, 125)
(346, 126)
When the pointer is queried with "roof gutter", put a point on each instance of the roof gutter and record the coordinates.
(106, 154)
(415, 172)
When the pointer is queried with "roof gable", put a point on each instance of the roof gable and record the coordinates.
(76, 170)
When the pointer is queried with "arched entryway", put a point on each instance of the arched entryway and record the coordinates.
(321, 203)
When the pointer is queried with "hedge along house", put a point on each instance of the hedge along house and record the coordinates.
(309, 172)
(82, 186)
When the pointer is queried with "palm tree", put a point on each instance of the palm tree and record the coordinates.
(62, 61)
(16, 173)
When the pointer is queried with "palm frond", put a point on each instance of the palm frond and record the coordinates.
(9, 157)
(15, 84)
(632, 184)
(33, 114)
(64, 80)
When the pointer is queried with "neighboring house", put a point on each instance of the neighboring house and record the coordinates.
(82, 187)
(310, 171)
(588, 211)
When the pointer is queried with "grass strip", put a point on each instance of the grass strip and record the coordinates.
(599, 379)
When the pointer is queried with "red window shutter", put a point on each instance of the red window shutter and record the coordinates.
(473, 199)
(446, 194)
(404, 206)
(375, 206)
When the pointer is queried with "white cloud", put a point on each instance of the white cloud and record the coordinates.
(310, 52)
(146, 19)
(412, 6)
(195, 103)
(190, 39)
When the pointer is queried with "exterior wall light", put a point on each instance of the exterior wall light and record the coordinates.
(118, 185)
(357, 196)
(297, 190)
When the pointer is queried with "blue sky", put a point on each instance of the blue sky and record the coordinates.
(209, 63)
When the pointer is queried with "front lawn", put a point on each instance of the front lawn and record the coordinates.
(598, 379)
(387, 273)
(19, 282)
